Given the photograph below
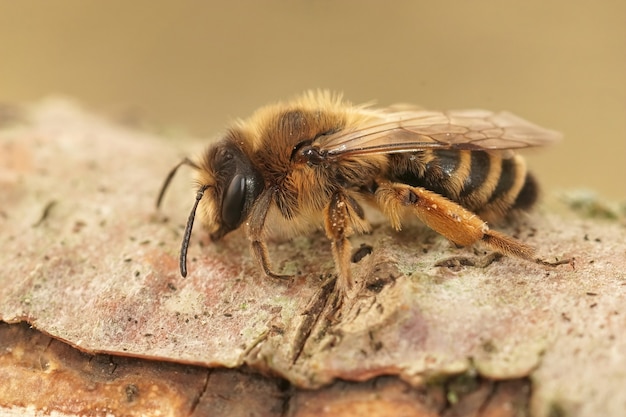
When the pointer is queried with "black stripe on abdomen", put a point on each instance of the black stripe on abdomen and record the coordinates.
(506, 181)
(514, 189)
(430, 170)
(441, 172)
(479, 170)
(528, 195)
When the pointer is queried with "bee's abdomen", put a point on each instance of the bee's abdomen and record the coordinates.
(515, 188)
(484, 182)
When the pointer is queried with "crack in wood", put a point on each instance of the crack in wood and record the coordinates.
(313, 314)
(196, 400)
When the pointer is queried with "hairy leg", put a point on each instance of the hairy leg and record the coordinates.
(446, 217)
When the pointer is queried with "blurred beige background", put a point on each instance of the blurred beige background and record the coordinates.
(196, 65)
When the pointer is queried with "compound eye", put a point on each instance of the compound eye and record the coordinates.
(233, 202)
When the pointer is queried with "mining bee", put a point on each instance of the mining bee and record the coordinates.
(314, 161)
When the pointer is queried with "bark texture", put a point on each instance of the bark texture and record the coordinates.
(88, 260)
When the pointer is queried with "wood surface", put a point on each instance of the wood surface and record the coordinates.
(97, 319)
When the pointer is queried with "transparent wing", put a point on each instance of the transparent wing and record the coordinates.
(408, 131)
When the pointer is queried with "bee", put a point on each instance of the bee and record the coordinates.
(315, 161)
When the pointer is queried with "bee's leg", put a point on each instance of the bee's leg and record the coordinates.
(256, 226)
(342, 215)
(446, 217)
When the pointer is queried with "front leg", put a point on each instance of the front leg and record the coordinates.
(256, 228)
(341, 216)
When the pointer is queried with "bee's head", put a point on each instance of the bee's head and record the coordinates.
(227, 187)
(230, 184)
